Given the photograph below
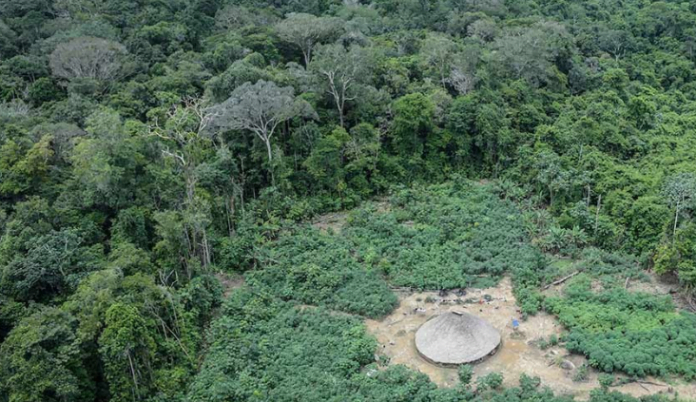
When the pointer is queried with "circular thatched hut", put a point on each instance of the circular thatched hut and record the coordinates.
(456, 338)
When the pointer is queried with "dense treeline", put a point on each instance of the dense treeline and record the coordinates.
(147, 144)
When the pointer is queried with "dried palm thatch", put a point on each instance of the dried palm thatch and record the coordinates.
(456, 338)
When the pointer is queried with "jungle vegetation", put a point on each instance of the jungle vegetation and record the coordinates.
(149, 148)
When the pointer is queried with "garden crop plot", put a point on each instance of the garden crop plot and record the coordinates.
(362, 282)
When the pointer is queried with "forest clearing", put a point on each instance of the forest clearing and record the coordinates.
(379, 250)
(520, 352)
(347, 200)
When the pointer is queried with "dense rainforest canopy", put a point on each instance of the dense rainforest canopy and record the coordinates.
(149, 146)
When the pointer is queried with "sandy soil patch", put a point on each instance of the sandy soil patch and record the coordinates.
(334, 221)
(665, 285)
(518, 353)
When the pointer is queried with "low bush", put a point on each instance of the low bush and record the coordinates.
(448, 236)
(620, 331)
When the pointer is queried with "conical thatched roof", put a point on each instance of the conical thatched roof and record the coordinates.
(456, 338)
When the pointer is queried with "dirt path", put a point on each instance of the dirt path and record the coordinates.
(518, 353)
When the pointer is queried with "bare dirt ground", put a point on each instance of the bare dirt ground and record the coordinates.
(665, 285)
(229, 282)
(518, 353)
(333, 221)
(337, 220)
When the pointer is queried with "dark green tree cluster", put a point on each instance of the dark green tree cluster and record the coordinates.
(120, 338)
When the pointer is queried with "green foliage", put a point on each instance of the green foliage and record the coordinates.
(489, 381)
(320, 269)
(265, 348)
(581, 373)
(606, 380)
(118, 191)
(128, 350)
(679, 257)
(465, 374)
(41, 360)
(440, 237)
(414, 133)
(53, 262)
(620, 331)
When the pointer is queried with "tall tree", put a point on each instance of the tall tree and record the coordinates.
(260, 108)
(439, 50)
(342, 71)
(306, 31)
(128, 351)
(186, 145)
(40, 360)
(615, 42)
(529, 53)
(88, 57)
(463, 70)
(680, 191)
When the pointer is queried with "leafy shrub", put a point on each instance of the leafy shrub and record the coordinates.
(262, 348)
(265, 348)
(490, 381)
(438, 237)
(442, 237)
(553, 340)
(319, 269)
(636, 333)
(606, 380)
(581, 373)
(465, 373)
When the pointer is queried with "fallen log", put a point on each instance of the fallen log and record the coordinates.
(652, 383)
(560, 281)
